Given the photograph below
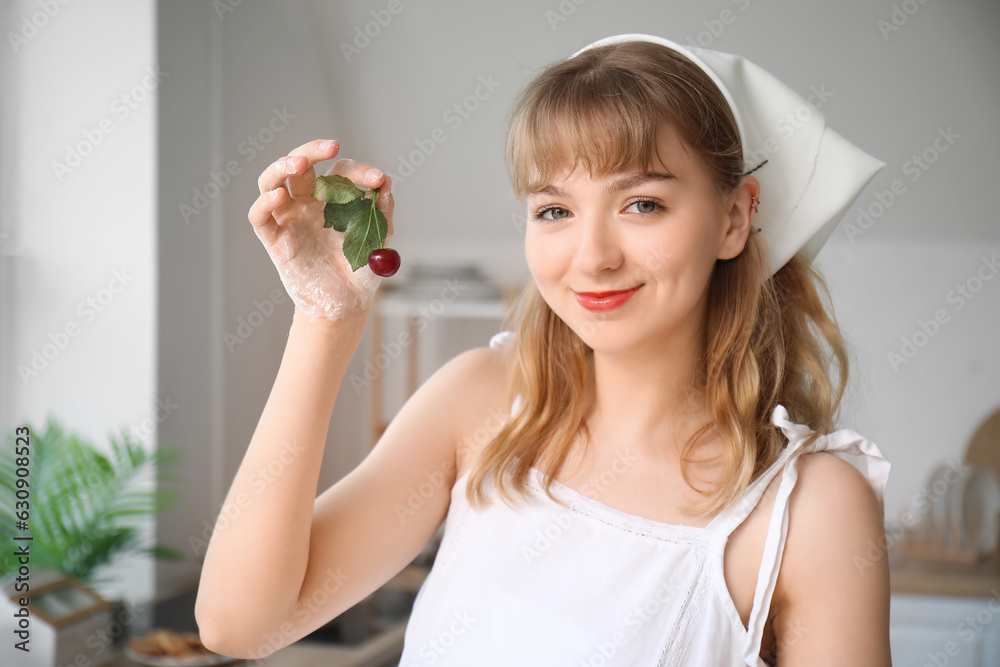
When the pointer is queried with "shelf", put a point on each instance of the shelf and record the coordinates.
(392, 306)
(413, 307)
(927, 577)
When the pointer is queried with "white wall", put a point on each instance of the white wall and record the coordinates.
(921, 406)
(69, 234)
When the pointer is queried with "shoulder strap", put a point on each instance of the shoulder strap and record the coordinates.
(727, 520)
(843, 440)
(501, 339)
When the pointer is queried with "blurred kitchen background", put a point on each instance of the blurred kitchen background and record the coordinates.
(132, 135)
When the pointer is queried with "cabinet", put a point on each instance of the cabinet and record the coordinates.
(945, 614)
(938, 630)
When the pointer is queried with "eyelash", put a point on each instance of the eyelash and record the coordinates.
(538, 215)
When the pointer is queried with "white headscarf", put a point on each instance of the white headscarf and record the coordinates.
(812, 175)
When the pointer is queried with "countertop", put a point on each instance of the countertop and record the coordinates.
(928, 577)
(382, 651)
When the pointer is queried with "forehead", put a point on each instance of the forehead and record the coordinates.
(612, 182)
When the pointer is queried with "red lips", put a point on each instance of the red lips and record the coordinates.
(598, 295)
(604, 301)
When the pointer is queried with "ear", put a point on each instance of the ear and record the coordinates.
(739, 216)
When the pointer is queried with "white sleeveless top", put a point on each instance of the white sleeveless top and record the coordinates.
(592, 585)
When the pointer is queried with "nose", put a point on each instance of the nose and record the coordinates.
(597, 245)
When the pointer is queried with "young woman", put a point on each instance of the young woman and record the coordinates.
(615, 472)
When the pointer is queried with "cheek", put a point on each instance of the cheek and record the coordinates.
(661, 254)
(670, 250)
(657, 257)
(543, 254)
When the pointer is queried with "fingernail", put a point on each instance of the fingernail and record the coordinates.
(272, 195)
(373, 174)
(327, 145)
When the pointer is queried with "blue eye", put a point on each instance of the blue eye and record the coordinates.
(540, 214)
(644, 206)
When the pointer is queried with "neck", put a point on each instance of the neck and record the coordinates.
(644, 396)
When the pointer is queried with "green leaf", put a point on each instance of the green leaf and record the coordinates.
(336, 189)
(166, 553)
(366, 231)
(336, 215)
(83, 500)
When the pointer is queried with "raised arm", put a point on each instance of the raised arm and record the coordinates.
(292, 562)
(289, 562)
(254, 567)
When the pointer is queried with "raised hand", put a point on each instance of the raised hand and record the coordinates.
(309, 257)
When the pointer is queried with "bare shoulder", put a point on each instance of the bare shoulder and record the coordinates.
(836, 518)
(835, 489)
(834, 576)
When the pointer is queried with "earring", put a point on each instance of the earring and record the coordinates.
(753, 202)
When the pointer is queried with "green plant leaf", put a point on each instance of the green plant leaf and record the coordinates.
(366, 231)
(336, 189)
(348, 210)
(84, 501)
(337, 215)
(166, 553)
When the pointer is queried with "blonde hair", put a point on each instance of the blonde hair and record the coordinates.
(764, 340)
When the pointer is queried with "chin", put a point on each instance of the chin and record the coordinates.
(607, 331)
(606, 336)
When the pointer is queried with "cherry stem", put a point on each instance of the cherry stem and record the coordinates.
(374, 200)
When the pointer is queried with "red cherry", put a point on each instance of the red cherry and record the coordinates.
(384, 261)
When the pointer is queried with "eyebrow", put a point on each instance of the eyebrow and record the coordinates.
(623, 183)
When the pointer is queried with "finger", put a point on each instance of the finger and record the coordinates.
(361, 174)
(300, 181)
(366, 176)
(301, 184)
(296, 164)
(274, 176)
(387, 204)
(261, 213)
(385, 200)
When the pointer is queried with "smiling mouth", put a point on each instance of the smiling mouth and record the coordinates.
(600, 295)
(605, 301)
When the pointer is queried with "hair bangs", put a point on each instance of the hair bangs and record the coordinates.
(597, 122)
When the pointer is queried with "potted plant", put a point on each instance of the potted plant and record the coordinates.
(84, 505)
